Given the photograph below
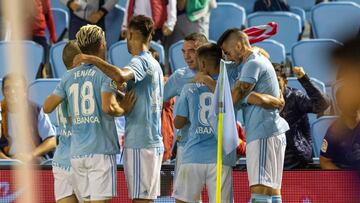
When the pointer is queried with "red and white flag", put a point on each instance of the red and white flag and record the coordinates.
(261, 32)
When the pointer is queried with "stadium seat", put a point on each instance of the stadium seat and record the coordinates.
(313, 55)
(57, 65)
(224, 16)
(47, 162)
(275, 49)
(119, 55)
(58, 4)
(248, 5)
(9, 162)
(176, 58)
(61, 19)
(294, 83)
(336, 20)
(113, 22)
(304, 4)
(355, 1)
(318, 132)
(289, 26)
(1, 92)
(122, 3)
(299, 11)
(34, 54)
(39, 90)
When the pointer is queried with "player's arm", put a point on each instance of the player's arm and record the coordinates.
(241, 90)
(266, 101)
(117, 74)
(180, 122)
(111, 106)
(326, 163)
(201, 77)
(51, 103)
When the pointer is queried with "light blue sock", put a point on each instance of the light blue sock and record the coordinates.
(260, 198)
(276, 199)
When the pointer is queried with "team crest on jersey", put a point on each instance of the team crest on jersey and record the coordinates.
(324, 146)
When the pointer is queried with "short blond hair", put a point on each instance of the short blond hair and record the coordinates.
(89, 38)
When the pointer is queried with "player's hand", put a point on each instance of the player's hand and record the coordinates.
(81, 58)
(299, 72)
(202, 77)
(282, 102)
(96, 16)
(128, 102)
(166, 30)
(121, 86)
(74, 6)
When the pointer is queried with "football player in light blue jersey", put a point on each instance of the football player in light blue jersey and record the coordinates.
(198, 165)
(92, 104)
(264, 128)
(143, 140)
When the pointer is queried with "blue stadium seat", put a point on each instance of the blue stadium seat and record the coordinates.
(58, 4)
(299, 11)
(275, 49)
(113, 22)
(176, 58)
(119, 55)
(1, 93)
(336, 20)
(294, 83)
(224, 16)
(34, 54)
(122, 3)
(304, 4)
(39, 90)
(355, 1)
(57, 65)
(61, 19)
(248, 5)
(318, 132)
(314, 56)
(289, 26)
(9, 162)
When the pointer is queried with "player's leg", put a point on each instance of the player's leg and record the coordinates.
(190, 182)
(226, 184)
(102, 177)
(68, 199)
(265, 158)
(142, 171)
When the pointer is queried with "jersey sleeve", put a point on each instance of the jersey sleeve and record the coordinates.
(137, 66)
(108, 85)
(182, 105)
(60, 89)
(170, 88)
(250, 72)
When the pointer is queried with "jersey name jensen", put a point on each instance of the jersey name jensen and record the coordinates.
(84, 73)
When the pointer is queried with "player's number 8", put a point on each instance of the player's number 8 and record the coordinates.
(205, 105)
(87, 98)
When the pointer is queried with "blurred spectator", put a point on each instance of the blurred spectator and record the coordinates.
(83, 12)
(192, 16)
(163, 13)
(271, 5)
(339, 149)
(42, 132)
(297, 105)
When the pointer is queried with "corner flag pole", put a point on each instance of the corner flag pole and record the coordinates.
(220, 134)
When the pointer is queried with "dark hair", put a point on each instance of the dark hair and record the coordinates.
(70, 50)
(210, 52)
(197, 37)
(280, 70)
(12, 75)
(226, 35)
(143, 24)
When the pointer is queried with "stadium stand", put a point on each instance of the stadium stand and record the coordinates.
(304, 4)
(34, 57)
(61, 19)
(113, 23)
(275, 49)
(248, 5)
(224, 16)
(289, 26)
(58, 4)
(318, 131)
(336, 20)
(176, 58)
(57, 65)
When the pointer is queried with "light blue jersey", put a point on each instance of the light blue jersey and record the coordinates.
(62, 153)
(173, 87)
(201, 147)
(260, 122)
(93, 131)
(143, 123)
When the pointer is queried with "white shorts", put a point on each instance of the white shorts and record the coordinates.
(265, 161)
(179, 152)
(142, 171)
(95, 176)
(64, 184)
(192, 178)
